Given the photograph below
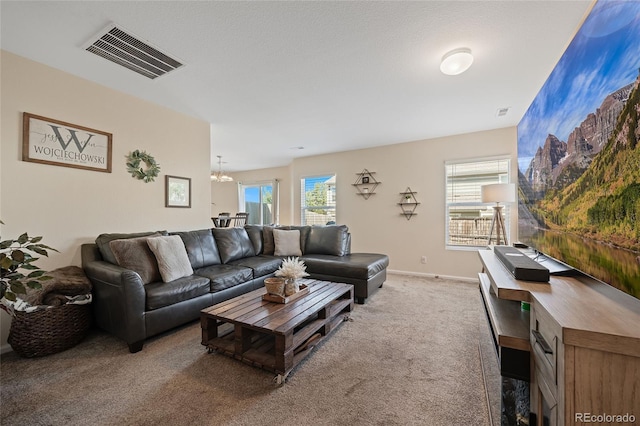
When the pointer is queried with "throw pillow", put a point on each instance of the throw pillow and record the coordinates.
(267, 237)
(134, 254)
(103, 241)
(171, 254)
(287, 243)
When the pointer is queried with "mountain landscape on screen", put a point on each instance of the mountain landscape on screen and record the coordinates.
(590, 185)
(579, 152)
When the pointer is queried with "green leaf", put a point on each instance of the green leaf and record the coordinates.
(18, 255)
(40, 251)
(6, 244)
(5, 262)
(35, 285)
(23, 238)
(10, 296)
(28, 256)
(36, 240)
(45, 278)
(29, 266)
(15, 277)
(18, 288)
(36, 274)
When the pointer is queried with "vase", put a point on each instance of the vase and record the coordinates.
(291, 286)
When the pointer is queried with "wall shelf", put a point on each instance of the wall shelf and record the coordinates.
(366, 183)
(408, 203)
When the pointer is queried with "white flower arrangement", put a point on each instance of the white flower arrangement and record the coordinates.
(292, 267)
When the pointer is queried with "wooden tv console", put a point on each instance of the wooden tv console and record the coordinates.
(583, 338)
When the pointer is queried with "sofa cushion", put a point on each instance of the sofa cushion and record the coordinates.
(135, 254)
(330, 239)
(268, 245)
(233, 243)
(225, 276)
(201, 248)
(304, 233)
(255, 235)
(261, 265)
(287, 242)
(103, 241)
(172, 258)
(355, 265)
(162, 294)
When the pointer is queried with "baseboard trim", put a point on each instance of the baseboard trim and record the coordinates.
(426, 275)
(5, 349)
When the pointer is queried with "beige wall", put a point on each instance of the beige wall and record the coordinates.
(68, 206)
(376, 224)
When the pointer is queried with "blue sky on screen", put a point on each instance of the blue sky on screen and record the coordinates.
(603, 57)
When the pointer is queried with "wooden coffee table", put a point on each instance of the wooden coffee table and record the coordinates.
(276, 336)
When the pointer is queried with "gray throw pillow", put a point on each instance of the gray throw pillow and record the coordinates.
(135, 254)
(267, 239)
(172, 258)
(287, 242)
(103, 241)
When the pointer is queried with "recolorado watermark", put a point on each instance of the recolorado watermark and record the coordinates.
(605, 418)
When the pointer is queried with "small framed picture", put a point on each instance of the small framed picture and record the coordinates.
(177, 191)
(365, 179)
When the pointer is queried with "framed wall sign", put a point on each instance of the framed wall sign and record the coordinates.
(177, 191)
(49, 141)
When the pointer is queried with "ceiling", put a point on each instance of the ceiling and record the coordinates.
(271, 77)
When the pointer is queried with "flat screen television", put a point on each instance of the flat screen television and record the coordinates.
(579, 152)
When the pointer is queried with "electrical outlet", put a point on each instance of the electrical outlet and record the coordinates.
(423, 259)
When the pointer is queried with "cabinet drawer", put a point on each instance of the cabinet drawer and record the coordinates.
(544, 346)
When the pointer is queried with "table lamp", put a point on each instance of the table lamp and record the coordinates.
(498, 193)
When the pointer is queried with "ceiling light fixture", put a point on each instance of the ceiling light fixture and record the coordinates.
(220, 176)
(456, 61)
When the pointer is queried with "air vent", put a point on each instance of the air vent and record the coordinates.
(123, 48)
(501, 112)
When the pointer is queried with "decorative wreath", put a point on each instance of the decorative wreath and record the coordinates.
(133, 166)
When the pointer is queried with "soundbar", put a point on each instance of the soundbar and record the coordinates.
(521, 266)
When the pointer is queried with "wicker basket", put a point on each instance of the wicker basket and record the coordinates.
(49, 331)
(274, 286)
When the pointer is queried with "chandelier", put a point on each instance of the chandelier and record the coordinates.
(220, 176)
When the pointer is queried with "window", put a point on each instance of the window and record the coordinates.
(468, 220)
(318, 200)
(260, 201)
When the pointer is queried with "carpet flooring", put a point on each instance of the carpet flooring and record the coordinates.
(409, 356)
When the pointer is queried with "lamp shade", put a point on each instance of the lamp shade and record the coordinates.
(499, 193)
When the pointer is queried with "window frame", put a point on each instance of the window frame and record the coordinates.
(503, 175)
(275, 195)
(331, 194)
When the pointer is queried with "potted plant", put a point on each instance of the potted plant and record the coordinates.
(18, 272)
(291, 270)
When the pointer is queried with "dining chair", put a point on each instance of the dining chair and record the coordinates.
(222, 221)
(240, 219)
